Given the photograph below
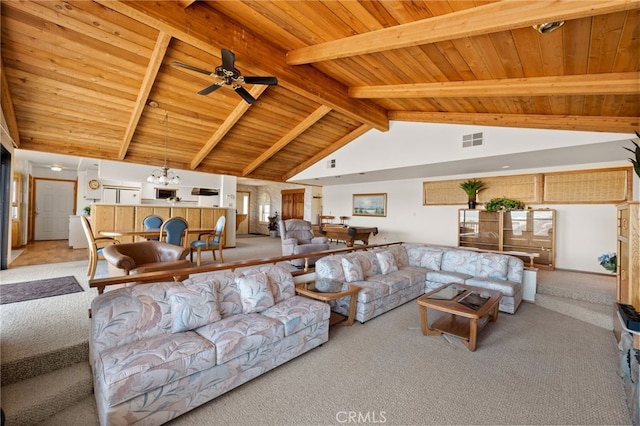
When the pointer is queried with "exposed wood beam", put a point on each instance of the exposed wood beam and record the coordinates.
(162, 43)
(490, 18)
(327, 151)
(208, 30)
(7, 108)
(287, 138)
(590, 84)
(228, 124)
(557, 122)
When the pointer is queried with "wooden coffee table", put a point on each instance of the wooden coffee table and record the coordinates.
(308, 289)
(455, 318)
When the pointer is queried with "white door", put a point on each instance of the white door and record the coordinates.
(242, 206)
(54, 205)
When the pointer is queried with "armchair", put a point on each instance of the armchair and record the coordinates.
(297, 238)
(144, 256)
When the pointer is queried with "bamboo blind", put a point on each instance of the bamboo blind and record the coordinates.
(591, 186)
(584, 187)
(526, 188)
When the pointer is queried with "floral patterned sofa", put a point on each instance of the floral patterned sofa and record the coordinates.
(392, 276)
(159, 350)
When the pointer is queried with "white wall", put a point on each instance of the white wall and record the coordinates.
(583, 232)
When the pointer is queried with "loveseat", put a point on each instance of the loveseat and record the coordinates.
(391, 276)
(144, 256)
(159, 350)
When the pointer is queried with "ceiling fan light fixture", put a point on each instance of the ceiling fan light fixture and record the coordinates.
(548, 27)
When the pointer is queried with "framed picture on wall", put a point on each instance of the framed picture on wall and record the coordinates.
(370, 204)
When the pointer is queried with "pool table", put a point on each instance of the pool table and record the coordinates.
(349, 234)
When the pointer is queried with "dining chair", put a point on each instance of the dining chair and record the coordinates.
(173, 230)
(95, 246)
(211, 241)
(152, 222)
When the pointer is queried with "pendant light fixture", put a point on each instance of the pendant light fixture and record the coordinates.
(164, 176)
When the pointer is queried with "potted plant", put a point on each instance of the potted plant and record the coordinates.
(273, 225)
(471, 187)
(504, 204)
(636, 161)
(609, 261)
(86, 210)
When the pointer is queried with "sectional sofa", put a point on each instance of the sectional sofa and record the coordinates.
(391, 276)
(159, 350)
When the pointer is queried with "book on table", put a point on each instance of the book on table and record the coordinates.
(473, 300)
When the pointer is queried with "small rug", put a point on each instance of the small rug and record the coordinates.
(39, 289)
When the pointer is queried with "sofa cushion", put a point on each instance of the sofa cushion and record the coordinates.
(387, 262)
(239, 334)
(515, 269)
(255, 292)
(393, 281)
(193, 306)
(432, 258)
(414, 253)
(368, 262)
(462, 261)
(400, 255)
(280, 280)
(229, 300)
(352, 269)
(372, 289)
(492, 265)
(330, 267)
(446, 277)
(507, 288)
(297, 313)
(135, 368)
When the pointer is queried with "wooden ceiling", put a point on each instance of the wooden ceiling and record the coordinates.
(78, 76)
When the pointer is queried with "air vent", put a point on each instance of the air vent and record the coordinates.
(331, 164)
(474, 139)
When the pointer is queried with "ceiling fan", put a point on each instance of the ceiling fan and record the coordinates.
(229, 75)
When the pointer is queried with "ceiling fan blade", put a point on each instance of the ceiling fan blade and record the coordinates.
(228, 59)
(261, 80)
(211, 88)
(244, 94)
(192, 68)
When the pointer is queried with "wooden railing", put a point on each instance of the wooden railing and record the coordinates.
(180, 274)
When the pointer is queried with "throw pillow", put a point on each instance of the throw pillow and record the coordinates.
(192, 307)
(431, 259)
(387, 262)
(492, 266)
(255, 293)
(352, 270)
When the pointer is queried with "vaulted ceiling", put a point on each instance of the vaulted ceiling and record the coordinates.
(78, 76)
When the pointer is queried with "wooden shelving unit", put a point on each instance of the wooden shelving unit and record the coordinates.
(530, 231)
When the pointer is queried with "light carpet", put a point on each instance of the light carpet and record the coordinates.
(533, 368)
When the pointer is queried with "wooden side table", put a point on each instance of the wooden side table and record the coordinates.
(309, 290)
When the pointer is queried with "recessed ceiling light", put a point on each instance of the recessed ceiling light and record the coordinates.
(56, 168)
(548, 27)
(506, 167)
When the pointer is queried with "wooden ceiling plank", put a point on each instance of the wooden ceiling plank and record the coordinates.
(226, 126)
(588, 84)
(92, 25)
(361, 130)
(155, 61)
(486, 19)
(211, 30)
(287, 138)
(9, 114)
(536, 121)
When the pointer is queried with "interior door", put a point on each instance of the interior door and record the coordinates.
(55, 201)
(242, 215)
(292, 204)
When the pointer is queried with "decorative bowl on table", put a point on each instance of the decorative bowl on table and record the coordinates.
(328, 286)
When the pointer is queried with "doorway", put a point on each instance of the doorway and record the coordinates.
(54, 203)
(242, 214)
(5, 184)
